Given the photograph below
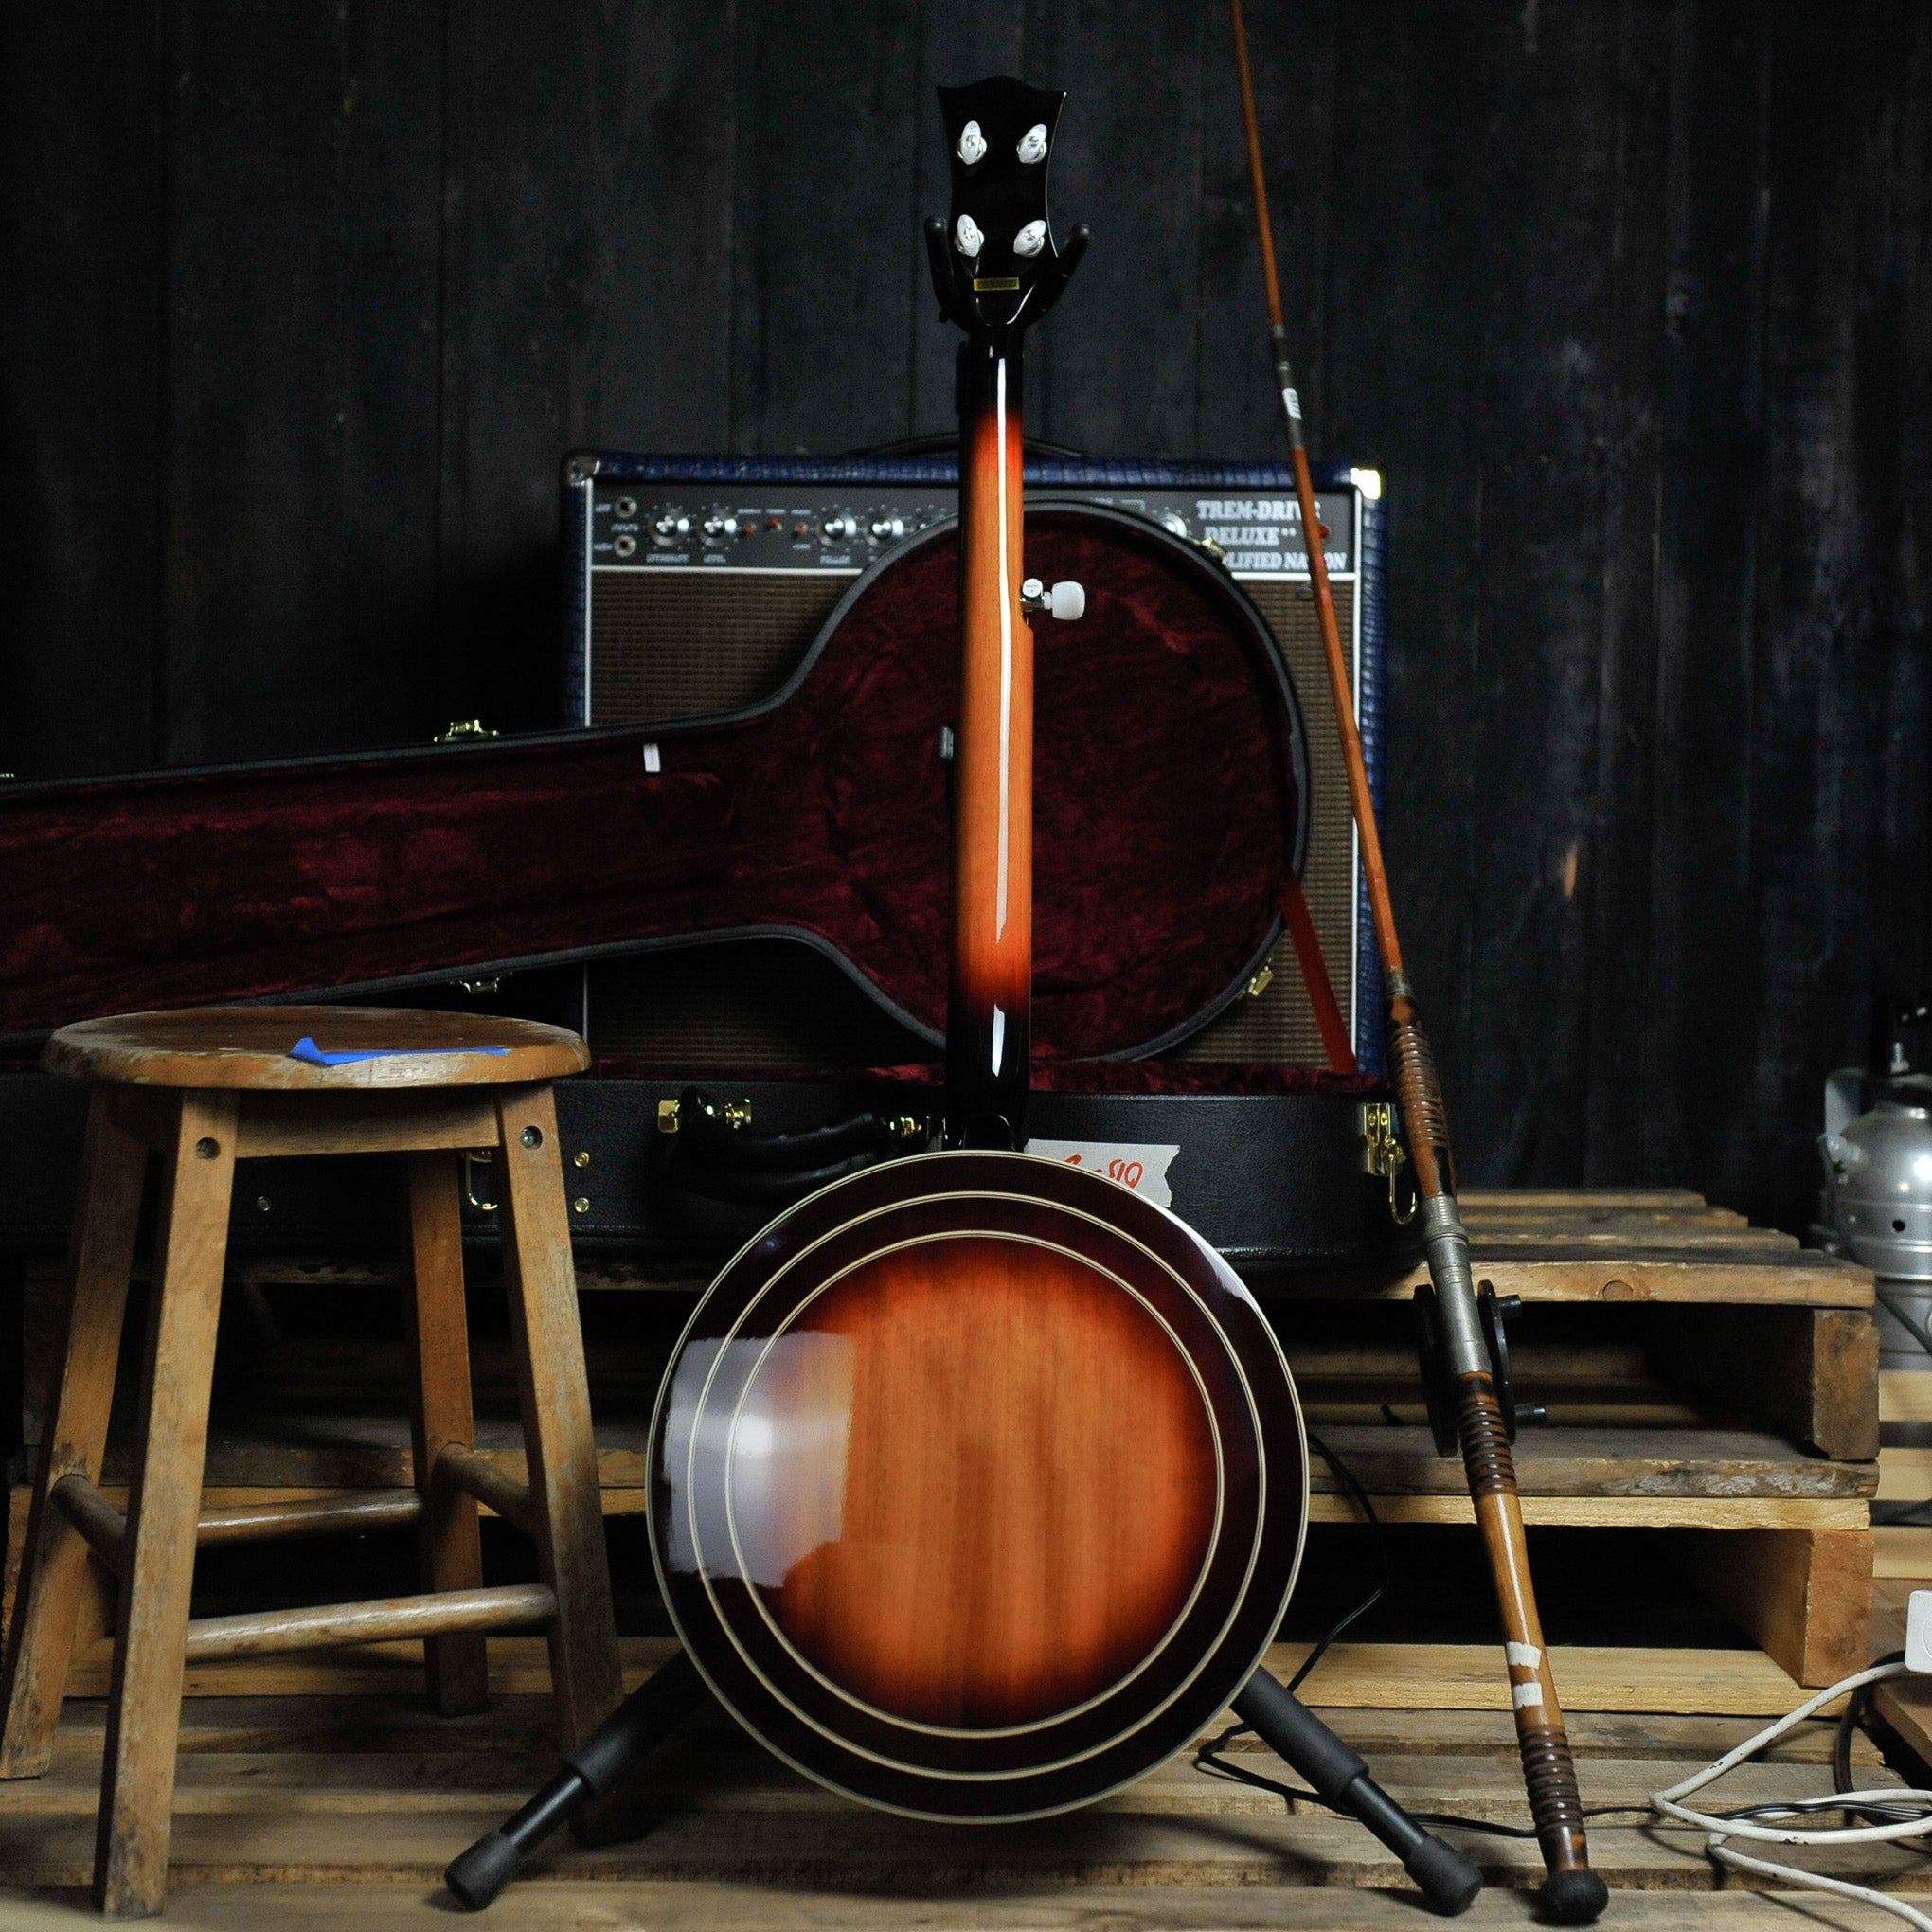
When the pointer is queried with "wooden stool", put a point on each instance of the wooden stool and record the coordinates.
(205, 1090)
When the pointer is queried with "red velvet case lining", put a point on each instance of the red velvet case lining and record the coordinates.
(1165, 812)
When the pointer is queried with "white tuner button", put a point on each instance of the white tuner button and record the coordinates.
(1066, 601)
(1032, 146)
(967, 238)
(971, 144)
(1030, 239)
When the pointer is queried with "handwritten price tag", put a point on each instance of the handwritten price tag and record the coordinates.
(1139, 1165)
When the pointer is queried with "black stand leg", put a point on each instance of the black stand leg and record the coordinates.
(1447, 1879)
(474, 1877)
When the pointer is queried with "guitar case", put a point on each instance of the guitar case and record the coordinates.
(1172, 782)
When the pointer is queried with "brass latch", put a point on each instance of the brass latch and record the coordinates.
(460, 728)
(475, 1157)
(1383, 1155)
(667, 1117)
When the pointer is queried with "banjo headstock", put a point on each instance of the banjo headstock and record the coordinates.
(995, 265)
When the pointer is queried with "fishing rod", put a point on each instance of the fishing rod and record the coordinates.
(1572, 1893)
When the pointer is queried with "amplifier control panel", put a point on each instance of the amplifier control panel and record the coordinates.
(841, 529)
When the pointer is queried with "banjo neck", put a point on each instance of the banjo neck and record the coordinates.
(987, 1018)
(995, 270)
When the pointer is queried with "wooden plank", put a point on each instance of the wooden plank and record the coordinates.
(565, 1905)
(719, 1770)
(1613, 1513)
(1373, 1676)
(42, 1626)
(356, 1452)
(519, 1726)
(588, 199)
(276, 1125)
(449, 1545)
(1905, 1704)
(807, 1851)
(1804, 1595)
(1118, 366)
(177, 1374)
(1904, 1476)
(632, 1499)
(822, 197)
(1802, 1278)
(554, 1403)
(1904, 1395)
(1479, 1201)
(1903, 1553)
(1813, 896)
(1606, 1463)
(83, 104)
(300, 415)
(1809, 1374)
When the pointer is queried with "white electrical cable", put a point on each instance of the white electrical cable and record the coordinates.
(1722, 1829)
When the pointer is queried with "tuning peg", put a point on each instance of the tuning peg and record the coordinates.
(1067, 601)
(971, 144)
(1032, 145)
(967, 238)
(1030, 239)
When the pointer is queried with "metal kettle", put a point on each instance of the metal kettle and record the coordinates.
(1878, 1198)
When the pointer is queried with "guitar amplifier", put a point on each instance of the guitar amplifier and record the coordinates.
(696, 586)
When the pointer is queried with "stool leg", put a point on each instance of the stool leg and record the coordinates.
(164, 1506)
(458, 1665)
(55, 1561)
(556, 1411)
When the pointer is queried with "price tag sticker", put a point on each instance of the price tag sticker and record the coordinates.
(1139, 1165)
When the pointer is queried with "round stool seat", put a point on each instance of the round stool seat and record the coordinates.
(253, 1048)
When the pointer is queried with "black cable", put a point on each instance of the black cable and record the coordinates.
(1209, 1761)
(1346, 1477)
(1848, 1723)
(1209, 1757)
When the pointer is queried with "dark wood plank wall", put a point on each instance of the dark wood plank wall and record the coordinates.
(1631, 301)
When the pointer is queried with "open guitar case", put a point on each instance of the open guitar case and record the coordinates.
(1171, 823)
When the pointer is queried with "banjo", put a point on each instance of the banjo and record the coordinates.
(978, 1483)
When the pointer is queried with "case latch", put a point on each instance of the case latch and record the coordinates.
(1383, 1155)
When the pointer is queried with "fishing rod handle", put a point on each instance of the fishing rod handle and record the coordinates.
(1572, 1894)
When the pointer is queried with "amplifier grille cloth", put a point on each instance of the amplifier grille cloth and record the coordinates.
(775, 1004)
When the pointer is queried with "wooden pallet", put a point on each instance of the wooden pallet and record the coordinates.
(331, 1812)
(1702, 1376)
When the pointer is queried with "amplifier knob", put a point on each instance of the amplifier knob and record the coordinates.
(839, 528)
(887, 529)
(671, 523)
(718, 525)
(1170, 521)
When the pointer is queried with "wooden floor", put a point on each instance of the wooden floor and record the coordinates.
(309, 1811)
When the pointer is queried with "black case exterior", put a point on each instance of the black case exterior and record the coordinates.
(1276, 1182)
